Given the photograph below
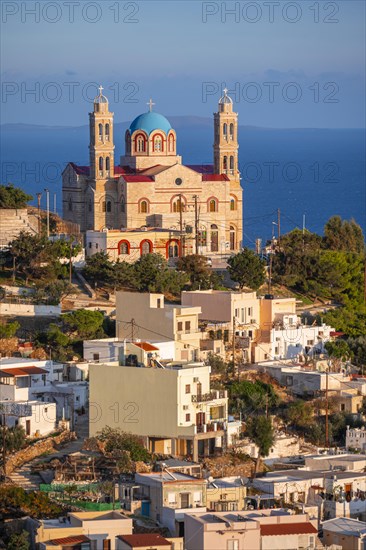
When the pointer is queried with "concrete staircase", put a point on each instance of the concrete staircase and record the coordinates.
(13, 221)
(25, 479)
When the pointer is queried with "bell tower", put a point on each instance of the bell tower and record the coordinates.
(226, 139)
(101, 147)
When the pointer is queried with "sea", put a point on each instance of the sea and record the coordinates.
(307, 174)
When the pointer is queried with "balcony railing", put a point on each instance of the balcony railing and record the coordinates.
(210, 427)
(210, 396)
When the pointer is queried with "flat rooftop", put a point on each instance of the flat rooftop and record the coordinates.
(164, 477)
(345, 526)
(285, 475)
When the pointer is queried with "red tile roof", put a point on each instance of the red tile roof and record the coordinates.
(22, 371)
(336, 333)
(80, 170)
(201, 168)
(145, 539)
(214, 177)
(146, 346)
(137, 178)
(70, 541)
(276, 529)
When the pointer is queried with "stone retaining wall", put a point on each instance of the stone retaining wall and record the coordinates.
(37, 449)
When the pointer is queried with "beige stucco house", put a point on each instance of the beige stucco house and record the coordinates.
(145, 316)
(173, 409)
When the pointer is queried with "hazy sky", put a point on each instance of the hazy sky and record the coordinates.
(288, 64)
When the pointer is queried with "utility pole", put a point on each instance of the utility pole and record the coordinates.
(279, 227)
(132, 330)
(48, 211)
(196, 234)
(39, 195)
(270, 272)
(54, 203)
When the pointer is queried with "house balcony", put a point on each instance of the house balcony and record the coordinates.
(210, 396)
(215, 426)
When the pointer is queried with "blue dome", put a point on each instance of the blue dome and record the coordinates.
(149, 122)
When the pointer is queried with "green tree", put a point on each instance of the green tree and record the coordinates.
(300, 413)
(118, 442)
(148, 270)
(84, 324)
(217, 364)
(19, 541)
(201, 276)
(343, 235)
(295, 265)
(99, 268)
(248, 397)
(13, 197)
(9, 329)
(247, 269)
(260, 430)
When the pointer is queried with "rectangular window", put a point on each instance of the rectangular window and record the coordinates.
(159, 303)
(250, 311)
(233, 544)
(188, 388)
(188, 417)
(188, 325)
(172, 498)
(180, 326)
(95, 356)
(106, 544)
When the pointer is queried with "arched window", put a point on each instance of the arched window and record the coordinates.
(107, 131)
(178, 205)
(232, 203)
(145, 247)
(202, 237)
(123, 204)
(214, 238)
(224, 129)
(231, 162)
(124, 247)
(144, 207)
(231, 130)
(158, 143)
(100, 130)
(172, 249)
(171, 143)
(212, 205)
(232, 238)
(100, 163)
(70, 204)
(109, 206)
(107, 163)
(140, 144)
(224, 162)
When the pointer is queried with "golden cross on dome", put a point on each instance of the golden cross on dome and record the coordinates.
(150, 104)
(225, 90)
(100, 89)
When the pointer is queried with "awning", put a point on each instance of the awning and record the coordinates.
(21, 371)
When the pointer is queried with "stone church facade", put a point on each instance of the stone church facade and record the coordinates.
(152, 188)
